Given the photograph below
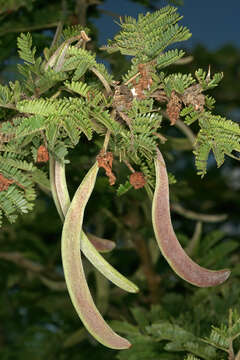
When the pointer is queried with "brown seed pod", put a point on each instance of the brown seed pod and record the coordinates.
(167, 240)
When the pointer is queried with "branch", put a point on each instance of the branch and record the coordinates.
(190, 249)
(29, 28)
(186, 131)
(152, 278)
(102, 79)
(18, 259)
(189, 214)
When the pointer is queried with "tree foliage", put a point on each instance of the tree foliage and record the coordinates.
(61, 103)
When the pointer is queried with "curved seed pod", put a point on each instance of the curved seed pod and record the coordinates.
(87, 248)
(73, 269)
(167, 240)
(102, 245)
(61, 187)
(52, 164)
(104, 267)
(62, 201)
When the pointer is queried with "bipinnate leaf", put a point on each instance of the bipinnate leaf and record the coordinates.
(89, 249)
(73, 269)
(167, 240)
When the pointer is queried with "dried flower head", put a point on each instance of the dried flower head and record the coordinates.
(144, 82)
(4, 183)
(137, 180)
(193, 96)
(42, 154)
(105, 160)
(174, 107)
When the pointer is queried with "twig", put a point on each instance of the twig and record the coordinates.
(8, 106)
(195, 239)
(102, 79)
(57, 34)
(81, 9)
(185, 60)
(54, 56)
(113, 218)
(186, 130)
(132, 78)
(106, 140)
(162, 138)
(53, 285)
(149, 192)
(29, 29)
(231, 355)
(19, 259)
(109, 13)
(129, 166)
(152, 278)
(189, 214)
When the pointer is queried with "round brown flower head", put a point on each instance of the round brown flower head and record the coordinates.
(137, 180)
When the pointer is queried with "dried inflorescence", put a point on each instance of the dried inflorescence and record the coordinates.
(105, 160)
(174, 107)
(193, 96)
(42, 154)
(123, 97)
(144, 82)
(137, 180)
(5, 183)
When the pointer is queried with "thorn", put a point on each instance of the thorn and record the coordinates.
(84, 36)
(208, 74)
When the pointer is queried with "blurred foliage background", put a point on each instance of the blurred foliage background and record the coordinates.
(169, 317)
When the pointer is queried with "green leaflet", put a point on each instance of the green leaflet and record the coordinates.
(73, 269)
(89, 250)
(167, 240)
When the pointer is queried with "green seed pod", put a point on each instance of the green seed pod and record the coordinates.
(104, 267)
(73, 269)
(62, 201)
(100, 244)
(167, 240)
(89, 250)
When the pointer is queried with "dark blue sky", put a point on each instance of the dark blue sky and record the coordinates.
(212, 23)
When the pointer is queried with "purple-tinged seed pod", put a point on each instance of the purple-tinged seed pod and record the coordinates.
(168, 243)
(73, 269)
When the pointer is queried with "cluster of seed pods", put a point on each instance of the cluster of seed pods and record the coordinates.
(75, 241)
